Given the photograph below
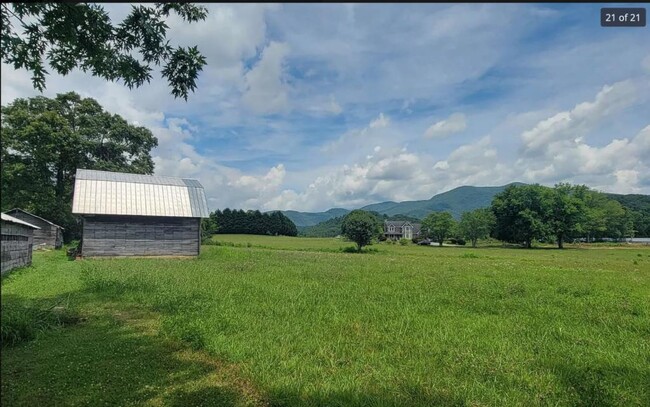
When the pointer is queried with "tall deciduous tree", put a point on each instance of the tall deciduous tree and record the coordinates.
(476, 224)
(81, 35)
(566, 211)
(360, 227)
(438, 226)
(45, 140)
(521, 213)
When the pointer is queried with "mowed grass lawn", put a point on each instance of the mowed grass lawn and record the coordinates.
(296, 322)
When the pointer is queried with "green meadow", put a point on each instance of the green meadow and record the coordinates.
(280, 321)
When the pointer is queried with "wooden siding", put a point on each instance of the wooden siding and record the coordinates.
(48, 236)
(16, 246)
(115, 235)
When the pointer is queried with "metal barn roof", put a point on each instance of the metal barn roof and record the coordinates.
(117, 193)
(14, 210)
(9, 218)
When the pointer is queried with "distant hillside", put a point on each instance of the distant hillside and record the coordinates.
(456, 202)
(332, 227)
(640, 206)
(313, 218)
(636, 202)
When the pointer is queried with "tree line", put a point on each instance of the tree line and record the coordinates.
(523, 214)
(233, 221)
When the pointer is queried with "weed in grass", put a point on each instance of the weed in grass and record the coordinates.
(469, 256)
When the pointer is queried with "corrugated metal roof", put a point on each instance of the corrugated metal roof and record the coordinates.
(117, 193)
(9, 218)
(31, 214)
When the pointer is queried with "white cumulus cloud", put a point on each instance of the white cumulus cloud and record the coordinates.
(451, 125)
(266, 88)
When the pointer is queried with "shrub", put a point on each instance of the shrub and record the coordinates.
(74, 249)
(382, 238)
(403, 242)
(21, 323)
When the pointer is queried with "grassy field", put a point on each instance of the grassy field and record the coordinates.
(294, 321)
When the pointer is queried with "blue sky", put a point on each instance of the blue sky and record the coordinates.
(312, 106)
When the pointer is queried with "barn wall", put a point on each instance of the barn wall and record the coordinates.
(47, 236)
(16, 246)
(107, 235)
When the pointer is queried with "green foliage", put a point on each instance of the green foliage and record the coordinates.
(438, 226)
(526, 213)
(332, 227)
(476, 225)
(304, 219)
(328, 228)
(252, 222)
(521, 213)
(639, 211)
(566, 211)
(81, 35)
(45, 140)
(360, 227)
(403, 242)
(22, 321)
(208, 228)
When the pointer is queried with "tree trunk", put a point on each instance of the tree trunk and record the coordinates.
(60, 186)
(560, 243)
(473, 242)
(440, 243)
(529, 243)
(358, 248)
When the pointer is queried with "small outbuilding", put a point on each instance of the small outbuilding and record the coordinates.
(17, 241)
(138, 215)
(49, 236)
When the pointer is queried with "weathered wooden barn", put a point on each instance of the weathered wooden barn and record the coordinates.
(49, 236)
(16, 245)
(138, 215)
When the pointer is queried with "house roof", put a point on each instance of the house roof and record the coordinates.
(399, 224)
(14, 210)
(117, 193)
(9, 218)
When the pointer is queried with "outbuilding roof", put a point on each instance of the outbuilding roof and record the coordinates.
(35, 216)
(9, 218)
(117, 193)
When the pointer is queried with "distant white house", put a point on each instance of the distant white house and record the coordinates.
(400, 229)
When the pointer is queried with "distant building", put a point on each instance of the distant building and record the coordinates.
(138, 215)
(398, 229)
(16, 244)
(49, 236)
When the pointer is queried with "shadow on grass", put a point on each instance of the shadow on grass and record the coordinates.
(108, 362)
(592, 384)
(412, 396)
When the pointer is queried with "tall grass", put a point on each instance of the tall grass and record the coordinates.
(309, 325)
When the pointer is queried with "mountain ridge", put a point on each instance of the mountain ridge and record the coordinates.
(456, 201)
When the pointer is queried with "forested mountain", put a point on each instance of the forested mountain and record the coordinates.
(456, 202)
(332, 227)
(313, 218)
